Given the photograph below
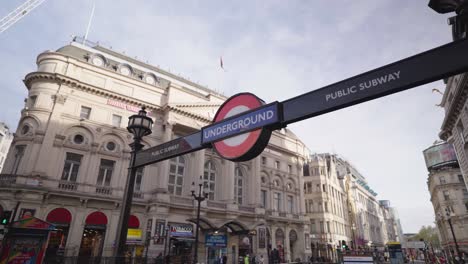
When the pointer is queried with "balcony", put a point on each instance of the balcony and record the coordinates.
(181, 200)
(104, 190)
(246, 209)
(7, 179)
(67, 186)
(219, 205)
(138, 195)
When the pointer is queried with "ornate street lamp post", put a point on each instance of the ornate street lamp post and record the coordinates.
(449, 215)
(199, 198)
(139, 125)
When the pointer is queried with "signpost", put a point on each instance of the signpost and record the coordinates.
(243, 124)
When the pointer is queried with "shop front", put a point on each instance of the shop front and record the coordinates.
(61, 219)
(92, 240)
(26, 241)
(216, 245)
(181, 242)
(135, 244)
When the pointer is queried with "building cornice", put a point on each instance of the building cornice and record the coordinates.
(454, 109)
(187, 114)
(32, 77)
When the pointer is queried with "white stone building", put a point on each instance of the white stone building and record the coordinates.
(449, 195)
(326, 206)
(343, 209)
(69, 157)
(5, 140)
(455, 125)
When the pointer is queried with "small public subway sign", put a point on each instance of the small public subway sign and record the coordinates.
(216, 240)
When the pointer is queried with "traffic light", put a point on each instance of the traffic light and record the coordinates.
(343, 245)
(5, 220)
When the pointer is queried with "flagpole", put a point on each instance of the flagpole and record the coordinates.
(89, 22)
(221, 77)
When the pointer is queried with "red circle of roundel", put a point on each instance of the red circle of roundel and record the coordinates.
(256, 139)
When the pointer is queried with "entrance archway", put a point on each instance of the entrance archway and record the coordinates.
(292, 242)
(61, 218)
(94, 232)
(279, 240)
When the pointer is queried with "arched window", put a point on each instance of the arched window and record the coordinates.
(209, 179)
(176, 175)
(238, 185)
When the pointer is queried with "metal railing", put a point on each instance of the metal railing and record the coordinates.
(68, 185)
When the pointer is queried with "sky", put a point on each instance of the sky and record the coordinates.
(276, 50)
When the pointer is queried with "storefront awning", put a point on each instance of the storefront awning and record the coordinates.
(96, 218)
(133, 222)
(59, 216)
(204, 224)
(236, 227)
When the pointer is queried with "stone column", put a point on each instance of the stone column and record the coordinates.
(225, 181)
(254, 183)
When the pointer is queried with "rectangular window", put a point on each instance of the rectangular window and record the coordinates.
(289, 168)
(328, 227)
(465, 194)
(325, 204)
(32, 101)
(324, 187)
(85, 112)
(71, 167)
(446, 195)
(442, 179)
(312, 226)
(138, 179)
(322, 228)
(460, 179)
(264, 160)
(116, 120)
(105, 172)
(19, 152)
(290, 204)
(264, 198)
(277, 165)
(277, 203)
(460, 129)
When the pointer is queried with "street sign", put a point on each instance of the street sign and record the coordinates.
(244, 119)
(169, 149)
(237, 144)
(358, 259)
(225, 128)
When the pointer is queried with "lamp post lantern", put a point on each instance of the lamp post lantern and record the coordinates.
(199, 198)
(449, 215)
(139, 125)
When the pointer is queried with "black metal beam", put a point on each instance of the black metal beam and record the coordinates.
(426, 67)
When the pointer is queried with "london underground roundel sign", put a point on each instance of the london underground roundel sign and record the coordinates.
(227, 122)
